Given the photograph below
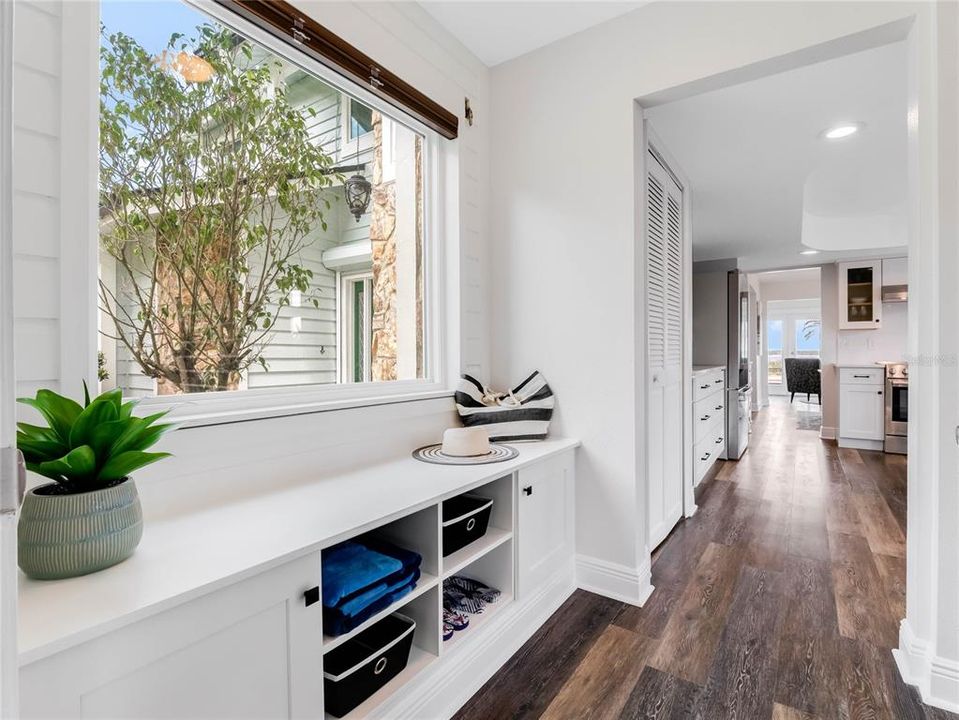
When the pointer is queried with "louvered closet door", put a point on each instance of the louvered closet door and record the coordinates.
(664, 335)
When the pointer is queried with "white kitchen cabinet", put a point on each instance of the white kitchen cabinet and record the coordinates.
(860, 295)
(250, 650)
(861, 405)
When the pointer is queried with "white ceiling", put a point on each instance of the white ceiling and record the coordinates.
(765, 184)
(496, 31)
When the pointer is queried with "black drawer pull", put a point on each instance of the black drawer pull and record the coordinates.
(704, 418)
(866, 377)
(718, 407)
(718, 440)
(311, 596)
(879, 392)
(716, 382)
(705, 457)
(704, 387)
(528, 490)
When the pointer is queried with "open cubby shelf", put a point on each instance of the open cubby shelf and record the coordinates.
(489, 559)
(419, 661)
(493, 538)
(425, 582)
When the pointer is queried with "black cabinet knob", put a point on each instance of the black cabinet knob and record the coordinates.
(528, 490)
(311, 596)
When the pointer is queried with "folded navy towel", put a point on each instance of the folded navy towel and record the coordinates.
(350, 568)
(355, 612)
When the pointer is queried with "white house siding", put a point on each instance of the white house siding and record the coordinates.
(36, 183)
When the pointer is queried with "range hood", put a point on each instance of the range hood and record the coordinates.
(895, 293)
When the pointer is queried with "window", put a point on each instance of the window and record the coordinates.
(229, 258)
(361, 119)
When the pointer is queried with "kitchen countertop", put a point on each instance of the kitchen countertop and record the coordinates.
(700, 369)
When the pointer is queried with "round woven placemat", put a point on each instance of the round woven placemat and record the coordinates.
(434, 454)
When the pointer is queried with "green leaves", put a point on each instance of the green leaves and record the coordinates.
(212, 190)
(57, 410)
(76, 467)
(120, 466)
(86, 448)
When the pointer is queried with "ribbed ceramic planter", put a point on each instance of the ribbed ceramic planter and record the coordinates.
(63, 536)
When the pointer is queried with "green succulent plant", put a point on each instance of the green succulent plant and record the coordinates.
(90, 446)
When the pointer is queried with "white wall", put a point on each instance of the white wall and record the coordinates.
(250, 456)
(564, 203)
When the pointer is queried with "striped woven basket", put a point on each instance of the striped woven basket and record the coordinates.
(523, 413)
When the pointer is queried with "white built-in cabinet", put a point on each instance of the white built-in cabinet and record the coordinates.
(250, 650)
(255, 647)
(860, 295)
(861, 406)
(665, 259)
(545, 520)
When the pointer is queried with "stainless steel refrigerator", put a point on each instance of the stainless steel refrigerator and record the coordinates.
(738, 386)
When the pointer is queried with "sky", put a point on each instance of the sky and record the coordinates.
(774, 337)
(150, 22)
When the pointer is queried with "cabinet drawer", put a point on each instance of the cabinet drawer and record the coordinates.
(862, 376)
(707, 420)
(708, 451)
(708, 383)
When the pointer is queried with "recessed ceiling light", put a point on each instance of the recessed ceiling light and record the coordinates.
(841, 131)
(808, 252)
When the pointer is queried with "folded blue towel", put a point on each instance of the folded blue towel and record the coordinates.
(355, 612)
(409, 558)
(349, 568)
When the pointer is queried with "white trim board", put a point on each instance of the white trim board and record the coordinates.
(615, 581)
(936, 678)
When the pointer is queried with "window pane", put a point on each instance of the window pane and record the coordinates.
(808, 337)
(361, 119)
(774, 347)
(229, 214)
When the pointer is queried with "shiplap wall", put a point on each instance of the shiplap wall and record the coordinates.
(36, 232)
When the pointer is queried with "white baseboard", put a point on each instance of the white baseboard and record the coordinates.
(615, 581)
(827, 433)
(857, 444)
(442, 689)
(937, 678)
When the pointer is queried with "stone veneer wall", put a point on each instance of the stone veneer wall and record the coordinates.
(383, 238)
(382, 229)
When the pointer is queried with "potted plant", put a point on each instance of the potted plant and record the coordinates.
(89, 518)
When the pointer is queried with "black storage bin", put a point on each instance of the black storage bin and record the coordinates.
(361, 666)
(465, 519)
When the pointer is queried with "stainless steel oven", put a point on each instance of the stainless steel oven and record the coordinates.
(897, 408)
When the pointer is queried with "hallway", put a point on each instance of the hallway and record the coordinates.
(780, 598)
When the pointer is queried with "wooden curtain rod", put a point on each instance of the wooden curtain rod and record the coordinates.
(288, 24)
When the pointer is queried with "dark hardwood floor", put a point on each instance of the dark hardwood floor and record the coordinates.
(780, 599)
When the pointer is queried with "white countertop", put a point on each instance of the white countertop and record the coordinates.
(700, 369)
(183, 557)
(861, 366)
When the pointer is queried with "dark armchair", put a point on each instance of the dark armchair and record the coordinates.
(803, 376)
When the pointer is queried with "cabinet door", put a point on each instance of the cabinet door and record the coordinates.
(250, 650)
(545, 521)
(861, 412)
(860, 295)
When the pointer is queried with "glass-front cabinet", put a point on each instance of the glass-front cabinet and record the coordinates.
(860, 295)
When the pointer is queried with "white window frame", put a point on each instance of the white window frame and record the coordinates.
(201, 409)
